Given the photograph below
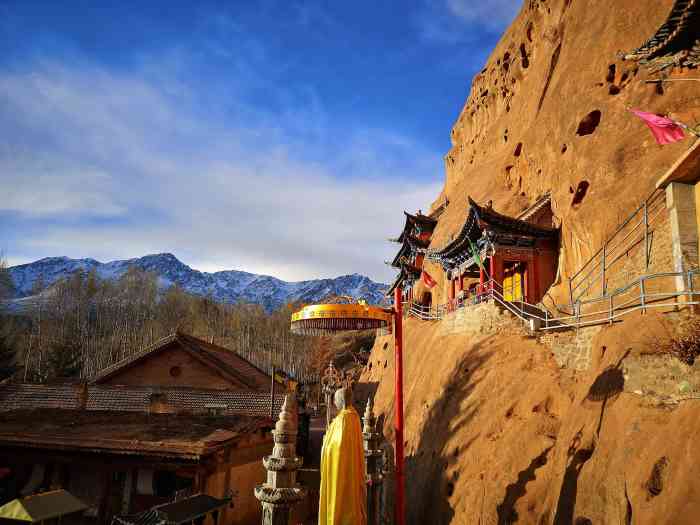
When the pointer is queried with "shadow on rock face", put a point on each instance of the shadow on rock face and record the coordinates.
(429, 486)
(506, 509)
(607, 387)
(569, 487)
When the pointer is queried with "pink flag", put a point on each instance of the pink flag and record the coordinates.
(665, 130)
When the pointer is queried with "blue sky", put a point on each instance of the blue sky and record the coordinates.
(277, 137)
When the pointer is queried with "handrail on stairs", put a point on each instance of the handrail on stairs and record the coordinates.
(539, 318)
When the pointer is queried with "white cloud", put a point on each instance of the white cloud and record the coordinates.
(45, 187)
(140, 169)
(458, 21)
(493, 13)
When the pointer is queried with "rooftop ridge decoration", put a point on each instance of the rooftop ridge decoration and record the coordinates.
(677, 39)
(531, 210)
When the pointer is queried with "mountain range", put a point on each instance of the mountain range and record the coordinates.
(229, 286)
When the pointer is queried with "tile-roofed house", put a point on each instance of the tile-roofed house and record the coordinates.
(180, 415)
(122, 462)
(181, 360)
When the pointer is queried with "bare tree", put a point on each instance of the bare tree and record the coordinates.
(83, 324)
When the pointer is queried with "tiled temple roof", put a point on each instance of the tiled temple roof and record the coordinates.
(181, 436)
(134, 399)
(218, 357)
(411, 220)
(679, 34)
(482, 217)
(479, 219)
(538, 205)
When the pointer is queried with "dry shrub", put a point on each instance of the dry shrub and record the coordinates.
(686, 345)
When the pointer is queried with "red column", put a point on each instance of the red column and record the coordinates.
(450, 294)
(398, 411)
(535, 280)
(482, 279)
(492, 271)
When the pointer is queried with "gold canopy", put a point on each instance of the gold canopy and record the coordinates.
(329, 319)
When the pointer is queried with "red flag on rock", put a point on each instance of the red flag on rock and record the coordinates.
(427, 280)
(664, 129)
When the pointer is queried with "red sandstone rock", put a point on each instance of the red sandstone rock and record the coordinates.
(496, 431)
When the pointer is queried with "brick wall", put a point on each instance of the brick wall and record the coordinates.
(571, 348)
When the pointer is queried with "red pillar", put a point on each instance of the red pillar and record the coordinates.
(398, 412)
(492, 271)
(535, 280)
(482, 279)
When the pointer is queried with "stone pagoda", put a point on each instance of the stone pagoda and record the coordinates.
(281, 492)
(374, 461)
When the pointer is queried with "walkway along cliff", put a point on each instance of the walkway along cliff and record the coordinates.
(547, 281)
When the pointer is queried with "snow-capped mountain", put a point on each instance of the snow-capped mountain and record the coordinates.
(228, 286)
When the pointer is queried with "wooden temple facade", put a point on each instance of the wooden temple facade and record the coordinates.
(514, 256)
(414, 240)
(181, 418)
(676, 42)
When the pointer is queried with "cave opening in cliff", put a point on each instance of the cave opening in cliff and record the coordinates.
(580, 193)
(589, 123)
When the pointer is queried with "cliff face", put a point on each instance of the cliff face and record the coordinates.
(548, 112)
(496, 432)
(499, 427)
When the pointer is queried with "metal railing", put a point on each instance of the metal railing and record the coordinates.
(634, 233)
(425, 313)
(642, 294)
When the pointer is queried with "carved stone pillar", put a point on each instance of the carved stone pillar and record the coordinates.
(373, 463)
(330, 382)
(281, 492)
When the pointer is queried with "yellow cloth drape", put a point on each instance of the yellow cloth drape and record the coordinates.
(342, 499)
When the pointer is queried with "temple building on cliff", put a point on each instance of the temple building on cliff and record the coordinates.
(514, 256)
(414, 240)
(676, 42)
